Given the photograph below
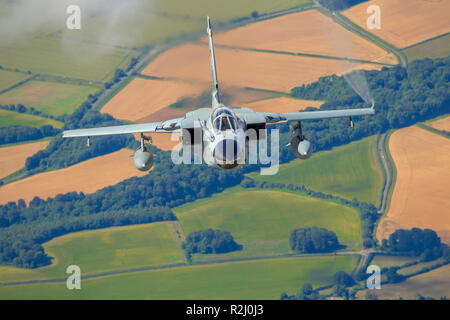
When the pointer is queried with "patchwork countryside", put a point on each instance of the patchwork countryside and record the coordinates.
(373, 190)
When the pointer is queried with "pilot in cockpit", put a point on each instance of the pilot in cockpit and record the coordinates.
(224, 120)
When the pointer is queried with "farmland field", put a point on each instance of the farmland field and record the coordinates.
(405, 22)
(104, 250)
(13, 158)
(281, 104)
(10, 78)
(49, 97)
(10, 118)
(350, 171)
(307, 32)
(384, 261)
(435, 48)
(420, 195)
(265, 218)
(435, 283)
(87, 176)
(49, 55)
(259, 279)
(262, 70)
(441, 124)
(142, 97)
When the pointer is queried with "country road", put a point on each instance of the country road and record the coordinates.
(365, 34)
(387, 174)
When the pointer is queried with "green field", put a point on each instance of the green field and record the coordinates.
(73, 59)
(9, 118)
(103, 250)
(435, 48)
(418, 267)
(49, 97)
(350, 171)
(258, 279)
(10, 78)
(262, 220)
(384, 261)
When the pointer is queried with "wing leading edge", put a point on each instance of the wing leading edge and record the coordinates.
(173, 125)
(317, 115)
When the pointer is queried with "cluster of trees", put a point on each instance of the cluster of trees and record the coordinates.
(306, 293)
(392, 276)
(417, 242)
(14, 134)
(341, 282)
(210, 241)
(118, 75)
(367, 212)
(339, 4)
(312, 240)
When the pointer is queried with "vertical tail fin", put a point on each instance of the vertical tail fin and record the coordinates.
(215, 85)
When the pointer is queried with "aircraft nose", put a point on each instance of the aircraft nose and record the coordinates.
(226, 150)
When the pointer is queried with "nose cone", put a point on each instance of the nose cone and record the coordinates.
(226, 150)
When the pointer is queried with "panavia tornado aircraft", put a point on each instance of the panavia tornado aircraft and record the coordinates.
(221, 131)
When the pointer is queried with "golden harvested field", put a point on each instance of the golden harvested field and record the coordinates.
(88, 176)
(142, 97)
(405, 22)
(435, 283)
(13, 158)
(308, 32)
(441, 124)
(162, 140)
(282, 104)
(421, 196)
(269, 71)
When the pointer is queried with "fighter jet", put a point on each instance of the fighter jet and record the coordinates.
(221, 131)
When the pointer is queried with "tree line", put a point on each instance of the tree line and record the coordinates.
(18, 133)
(334, 5)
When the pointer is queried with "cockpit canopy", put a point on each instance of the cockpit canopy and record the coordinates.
(223, 119)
